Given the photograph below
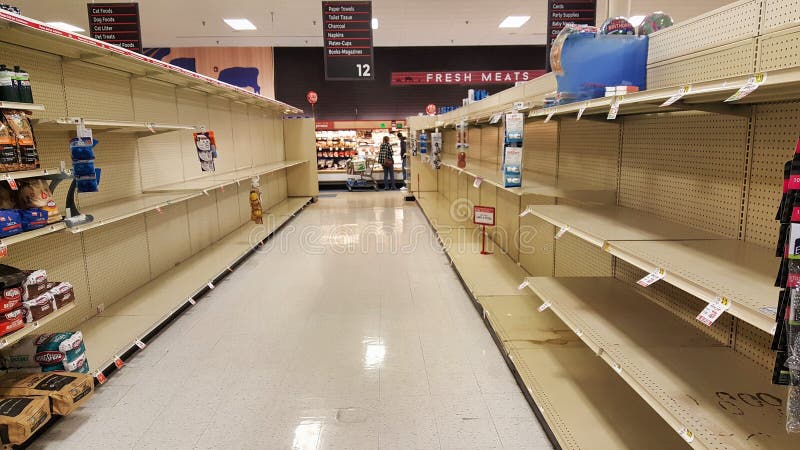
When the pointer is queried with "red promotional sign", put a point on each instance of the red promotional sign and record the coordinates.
(430, 109)
(312, 97)
(483, 215)
(463, 77)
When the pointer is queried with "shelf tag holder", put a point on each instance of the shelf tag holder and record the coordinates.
(193, 301)
(526, 212)
(686, 434)
(751, 85)
(118, 362)
(3, 250)
(545, 306)
(12, 183)
(549, 115)
(523, 285)
(580, 111)
(562, 232)
(652, 277)
(140, 344)
(151, 126)
(477, 182)
(614, 109)
(100, 377)
(714, 310)
(677, 96)
(210, 285)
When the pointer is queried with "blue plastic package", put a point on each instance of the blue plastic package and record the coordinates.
(89, 183)
(83, 168)
(33, 218)
(10, 222)
(82, 148)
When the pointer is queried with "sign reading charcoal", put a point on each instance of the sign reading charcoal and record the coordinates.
(347, 34)
(562, 12)
(116, 23)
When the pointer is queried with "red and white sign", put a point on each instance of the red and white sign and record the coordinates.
(465, 77)
(483, 215)
(430, 109)
(312, 97)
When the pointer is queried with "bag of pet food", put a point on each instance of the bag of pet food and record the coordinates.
(63, 293)
(34, 193)
(39, 307)
(67, 391)
(10, 223)
(21, 417)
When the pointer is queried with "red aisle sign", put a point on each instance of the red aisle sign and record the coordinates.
(312, 97)
(483, 215)
(430, 109)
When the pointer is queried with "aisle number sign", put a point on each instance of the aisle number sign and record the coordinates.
(347, 36)
(483, 215)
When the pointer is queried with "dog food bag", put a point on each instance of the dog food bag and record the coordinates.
(62, 292)
(39, 307)
(67, 391)
(34, 285)
(20, 417)
(12, 321)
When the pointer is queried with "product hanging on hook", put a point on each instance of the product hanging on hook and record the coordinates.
(206, 149)
(256, 213)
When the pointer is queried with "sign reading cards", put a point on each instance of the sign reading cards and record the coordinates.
(347, 36)
(116, 23)
(562, 12)
(483, 215)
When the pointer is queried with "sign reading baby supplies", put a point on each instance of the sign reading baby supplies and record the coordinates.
(206, 149)
(483, 215)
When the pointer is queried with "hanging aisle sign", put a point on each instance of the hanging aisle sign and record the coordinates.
(347, 35)
(562, 12)
(117, 24)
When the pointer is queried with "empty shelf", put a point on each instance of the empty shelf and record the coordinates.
(109, 126)
(216, 181)
(711, 396)
(123, 208)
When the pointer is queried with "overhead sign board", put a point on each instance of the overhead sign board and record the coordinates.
(465, 77)
(347, 36)
(562, 12)
(117, 24)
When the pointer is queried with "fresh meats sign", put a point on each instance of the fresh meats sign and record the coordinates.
(474, 77)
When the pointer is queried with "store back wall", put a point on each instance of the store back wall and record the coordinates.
(298, 70)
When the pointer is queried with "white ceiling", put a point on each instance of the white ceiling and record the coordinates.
(198, 23)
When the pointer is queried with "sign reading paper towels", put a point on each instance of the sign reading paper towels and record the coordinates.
(512, 150)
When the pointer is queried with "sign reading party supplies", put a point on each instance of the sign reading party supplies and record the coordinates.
(512, 150)
(562, 12)
(347, 36)
(117, 24)
(465, 77)
(483, 215)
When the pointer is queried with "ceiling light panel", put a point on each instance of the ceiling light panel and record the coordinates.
(240, 24)
(514, 21)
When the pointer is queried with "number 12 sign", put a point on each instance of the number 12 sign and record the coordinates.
(347, 34)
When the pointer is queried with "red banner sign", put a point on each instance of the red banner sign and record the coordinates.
(475, 77)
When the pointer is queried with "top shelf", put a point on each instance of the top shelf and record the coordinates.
(706, 265)
(140, 129)
(22, 106)
(36, 35)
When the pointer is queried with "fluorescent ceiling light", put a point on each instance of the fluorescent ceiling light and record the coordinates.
(240, 24)
(65, 27)
(636, 21)
(514, 21)
(374, 23)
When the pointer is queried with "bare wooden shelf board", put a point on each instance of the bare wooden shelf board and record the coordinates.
(708, 394)
(117, 328)
(113, 211)
(217, 181)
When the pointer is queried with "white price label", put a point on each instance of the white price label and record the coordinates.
(751, 85)
(652, 277)
(210, 285)
(192, 301)
(578, 333)
(583, 108)
(549, 116)
(677, 96)
(523, 285)
(617, 368)
(712, 311)
(544, 307)
(151, 126)
(562, 232)
(687, 435)
(140, 344)
(614, 110)
(526, 212)
(477, 182)
(519, 106)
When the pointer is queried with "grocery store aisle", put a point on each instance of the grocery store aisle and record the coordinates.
(350, 331)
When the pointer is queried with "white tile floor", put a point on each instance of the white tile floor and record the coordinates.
(323, 341)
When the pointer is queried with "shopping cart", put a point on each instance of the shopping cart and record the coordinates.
(363, 168)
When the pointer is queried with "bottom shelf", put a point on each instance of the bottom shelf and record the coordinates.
(692, 381)
(582, 401)
(116, 330)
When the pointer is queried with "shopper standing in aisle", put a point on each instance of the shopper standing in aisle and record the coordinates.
(403, 155)
(386, 159)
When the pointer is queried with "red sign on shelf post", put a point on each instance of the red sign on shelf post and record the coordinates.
(312, 97)
(483, 216)
(430, 109)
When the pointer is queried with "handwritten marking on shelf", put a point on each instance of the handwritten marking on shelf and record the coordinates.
(714, 310)
(738, 403)
(652, 277)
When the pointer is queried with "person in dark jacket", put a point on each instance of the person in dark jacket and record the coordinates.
(386, 159)
(403, 148)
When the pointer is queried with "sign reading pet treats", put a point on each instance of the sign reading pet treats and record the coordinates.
(206, 149)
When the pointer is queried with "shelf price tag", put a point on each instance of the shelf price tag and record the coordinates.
(12, 183)
(193, 301)
(151, 126)
(523, 285)
(580, 111)
(686, 434)
(562, 232)
(100, 376)
(549, 115)
(140, 344)
(652, 277)
(3, 250)
(614, 110)
(210, 285)
(118, 362)
(751, 85)
(712, 311)
(543, 307)
(477, 182)
(677, 96)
